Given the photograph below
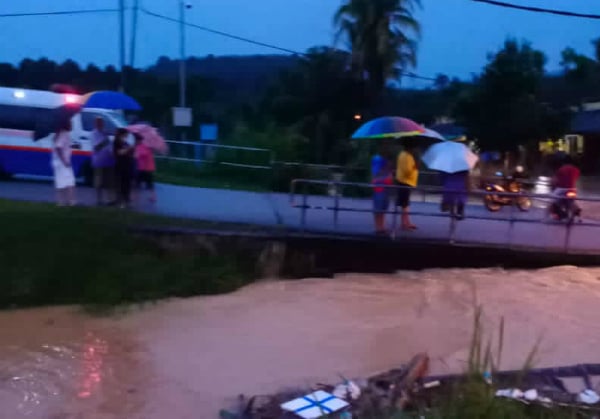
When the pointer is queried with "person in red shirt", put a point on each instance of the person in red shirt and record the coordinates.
(564, 180)
(566, 176)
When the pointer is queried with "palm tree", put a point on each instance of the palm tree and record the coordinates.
(383, 37)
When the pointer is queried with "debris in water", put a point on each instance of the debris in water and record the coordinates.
(315, 405)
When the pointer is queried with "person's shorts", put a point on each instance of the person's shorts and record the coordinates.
(403, 195)
(104, 177)
(146, 179)
(63, 176)
(381, 202)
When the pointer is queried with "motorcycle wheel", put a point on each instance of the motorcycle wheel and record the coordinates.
(524, 203)
(491, 204)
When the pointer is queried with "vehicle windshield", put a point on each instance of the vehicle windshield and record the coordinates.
(118, 118)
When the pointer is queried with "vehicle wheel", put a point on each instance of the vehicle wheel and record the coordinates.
(524, 203)
(491, 204)
(4, 175)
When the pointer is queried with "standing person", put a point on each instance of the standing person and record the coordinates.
(381, 177)
(146, 166)
(124, 162)
(407, 176)
(455, 191)
(103, 162)
(64, 178)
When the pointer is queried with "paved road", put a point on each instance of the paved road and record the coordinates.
(275, 209)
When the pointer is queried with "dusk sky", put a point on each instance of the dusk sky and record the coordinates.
(457, 34)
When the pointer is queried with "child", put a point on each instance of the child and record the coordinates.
(145, 166)
(381, 177)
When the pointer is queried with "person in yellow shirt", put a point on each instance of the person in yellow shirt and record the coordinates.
(407, 176)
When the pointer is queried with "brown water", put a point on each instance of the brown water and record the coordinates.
(184, 358)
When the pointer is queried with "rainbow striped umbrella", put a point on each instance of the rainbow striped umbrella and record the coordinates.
(389, 127)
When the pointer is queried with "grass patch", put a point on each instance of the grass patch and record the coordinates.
(213, 176)
(87, 256)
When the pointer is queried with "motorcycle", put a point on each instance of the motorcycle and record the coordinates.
(565, 206)
(495, 199)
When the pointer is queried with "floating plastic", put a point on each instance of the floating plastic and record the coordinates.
(315, 405)
(588, 397)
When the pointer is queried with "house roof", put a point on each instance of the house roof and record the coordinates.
(586, 122)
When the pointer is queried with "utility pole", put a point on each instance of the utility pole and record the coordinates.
(122, 42)
(182, 75)
(134, 21)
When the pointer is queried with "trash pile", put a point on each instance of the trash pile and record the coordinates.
(409, 388)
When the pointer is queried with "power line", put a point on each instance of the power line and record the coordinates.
(538, 9)
(416, 76)
(61, 12)
(225, 34)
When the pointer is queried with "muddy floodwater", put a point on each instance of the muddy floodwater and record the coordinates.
(187, 358)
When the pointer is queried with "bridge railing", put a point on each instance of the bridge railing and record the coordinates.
(305, 196)
(223, 155)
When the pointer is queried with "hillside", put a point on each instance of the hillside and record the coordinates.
(249, 74)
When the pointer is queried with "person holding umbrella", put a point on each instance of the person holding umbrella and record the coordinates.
(456, 188)
(407, 176)
(454, 160)
(395, 128)
(147, 142)
(146, 166)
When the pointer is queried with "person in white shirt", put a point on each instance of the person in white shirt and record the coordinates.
(64, 178)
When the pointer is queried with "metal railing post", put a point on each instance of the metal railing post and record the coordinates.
(304, 208)
(568, 237)
(511, 224)
(452, 233)
(336, 205)
(394, 213)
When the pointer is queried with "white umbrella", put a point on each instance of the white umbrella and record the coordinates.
(450, 157)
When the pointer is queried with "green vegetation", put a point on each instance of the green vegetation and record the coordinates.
(383, 37)
(474, 398)
(86, 256)
(212, 175)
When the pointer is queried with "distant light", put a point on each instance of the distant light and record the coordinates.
(71, 99)
(19, 94)
(357, 117)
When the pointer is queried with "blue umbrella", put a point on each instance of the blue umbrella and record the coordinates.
(110, 100)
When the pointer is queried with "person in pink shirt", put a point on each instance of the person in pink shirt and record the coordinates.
(144, 157)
